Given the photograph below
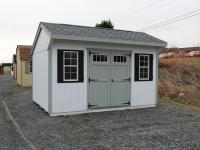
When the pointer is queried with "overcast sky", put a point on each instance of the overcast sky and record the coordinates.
(19, 19)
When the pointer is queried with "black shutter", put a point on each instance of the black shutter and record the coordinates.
(151, 67)
(60, 66)
(136, 67)
(81, 66)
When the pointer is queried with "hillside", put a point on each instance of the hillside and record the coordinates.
(179, 80)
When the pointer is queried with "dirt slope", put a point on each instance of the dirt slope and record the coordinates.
(179, 80)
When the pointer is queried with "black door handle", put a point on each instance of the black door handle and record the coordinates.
(112, 80)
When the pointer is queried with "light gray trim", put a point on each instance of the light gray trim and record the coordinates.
(88, 73)
(109, 50)
(104, 40)
(156, 81)
(36, 39)
(50, 79)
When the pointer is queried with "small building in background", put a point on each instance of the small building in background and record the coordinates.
(1, 69)
(14, 67)
(5, 68)
(24, 65)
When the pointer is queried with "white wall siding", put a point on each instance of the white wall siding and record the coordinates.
(143, 93)
(67, 97)
(40, 71)
(72, 97)
(40, 79)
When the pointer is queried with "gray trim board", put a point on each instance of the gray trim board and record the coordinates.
(50, 78)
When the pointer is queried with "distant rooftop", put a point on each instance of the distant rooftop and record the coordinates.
(25, 52)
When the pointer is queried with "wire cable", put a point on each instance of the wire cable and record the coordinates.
(140, 10)
(173, 20)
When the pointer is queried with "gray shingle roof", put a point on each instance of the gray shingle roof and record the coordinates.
(101, 33)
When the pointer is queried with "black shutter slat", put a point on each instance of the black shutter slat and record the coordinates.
(136, 67)
(60, 66)
(151, 67)
(81, 66)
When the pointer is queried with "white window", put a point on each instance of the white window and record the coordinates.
(119, 59)
(144, 67)
(70, 64)
(99, 58)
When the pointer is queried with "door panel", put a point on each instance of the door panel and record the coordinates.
(99, 94)
(120, 79)
(99, 82)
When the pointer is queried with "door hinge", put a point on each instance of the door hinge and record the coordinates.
(128, 103)
(129, 79)
(90, 105)
(90, 80)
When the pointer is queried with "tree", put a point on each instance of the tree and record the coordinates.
(105, 24)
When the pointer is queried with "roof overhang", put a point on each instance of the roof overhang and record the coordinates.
(104, 40)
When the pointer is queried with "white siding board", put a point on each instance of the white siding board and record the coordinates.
(143, 93)
(40, 79)
(68, 97)
(40, 70)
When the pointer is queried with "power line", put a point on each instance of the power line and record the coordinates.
(142, 9)
(160, 23)
(168, 21)
(173, 21)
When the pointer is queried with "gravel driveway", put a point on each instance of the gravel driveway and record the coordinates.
(165, 127)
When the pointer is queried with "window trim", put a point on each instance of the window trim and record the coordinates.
(148, 67)
(27, 67)
(121, 63)
(100, 62)
(77, 66)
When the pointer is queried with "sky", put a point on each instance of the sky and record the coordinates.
(19, 19)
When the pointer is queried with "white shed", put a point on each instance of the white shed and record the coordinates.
(79, 69)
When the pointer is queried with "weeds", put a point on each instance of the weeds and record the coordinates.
(179, 80)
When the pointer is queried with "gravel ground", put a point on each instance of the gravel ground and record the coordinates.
(165, 127)
(9, 137)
